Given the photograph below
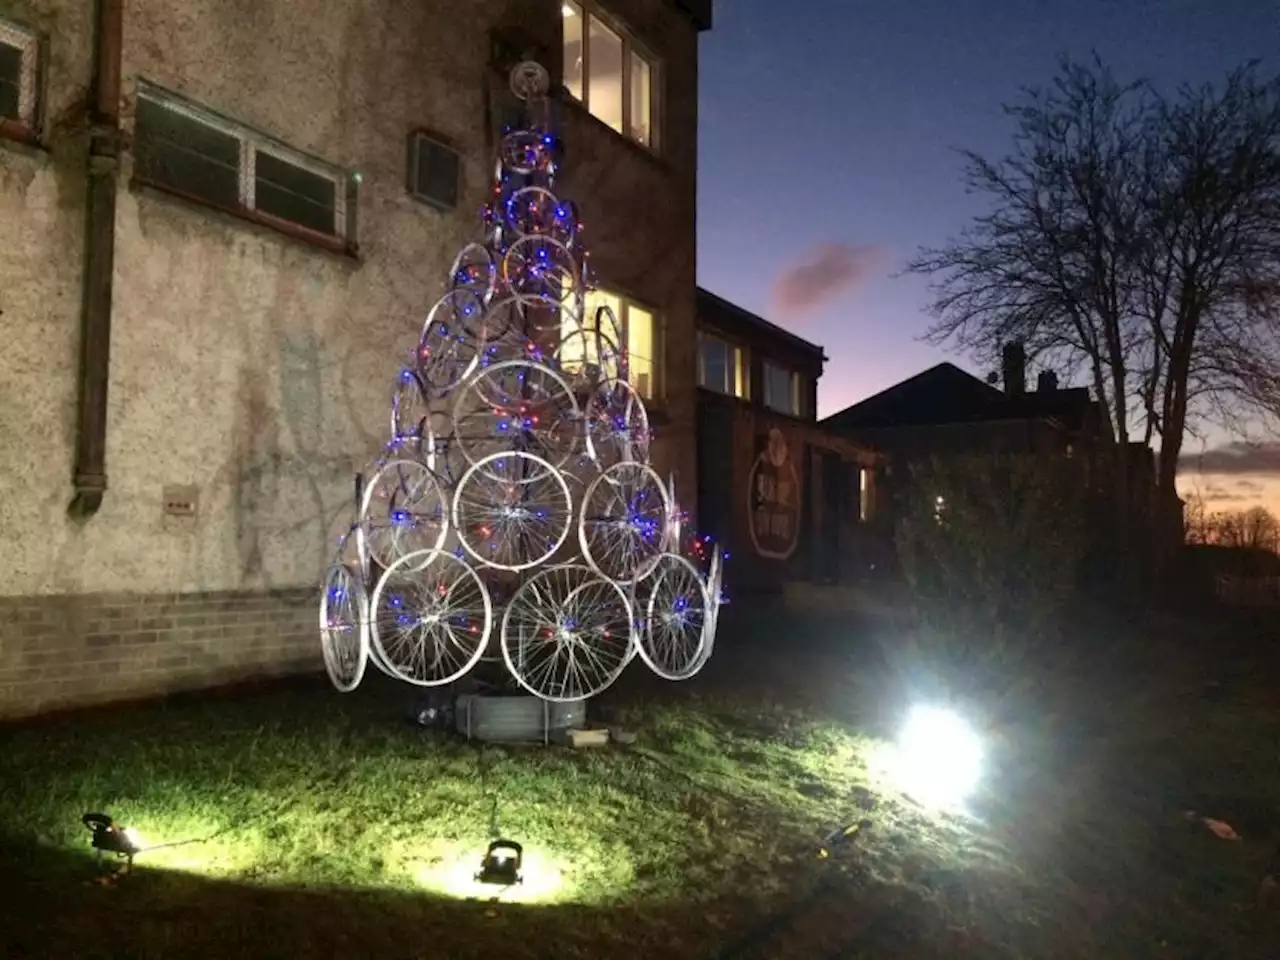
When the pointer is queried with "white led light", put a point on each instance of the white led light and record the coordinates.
(938, 758)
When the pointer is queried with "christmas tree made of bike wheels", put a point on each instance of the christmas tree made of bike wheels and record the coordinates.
(514, 514)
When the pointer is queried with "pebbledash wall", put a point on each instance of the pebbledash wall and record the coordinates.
(248, 366)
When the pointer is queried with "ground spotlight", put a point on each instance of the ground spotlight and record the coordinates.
(107, 836)
(501, 864)
(938, 757)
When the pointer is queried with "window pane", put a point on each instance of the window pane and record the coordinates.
(713, 364)
(780, 389)
(611, 331)
(641, 100)
(604, 82)
(175, 150)
(285, 190)
(640, 351)
(580, 344)
(573, 345)
(742, 382)
(10, 82)
(770, 386)
(571, 18)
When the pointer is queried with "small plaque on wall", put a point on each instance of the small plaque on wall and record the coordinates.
(180, 500)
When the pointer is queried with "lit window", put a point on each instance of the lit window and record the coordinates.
(607, 73)
(182, 147)
(19, 56)
(572, 16)
(604, 74)
(636, 326)
(781, 389)
(722, 367)
(864, 494)
(581, 344)
(641, 98)
(640, 352)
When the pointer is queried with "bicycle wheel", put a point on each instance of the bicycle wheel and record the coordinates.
(674, 641)
(624, 524)
(516, 405)
(617, 424)
(448, 350)
(512, 511)
(403, 511)
(344, 627)
(567, 633)
(431, 618)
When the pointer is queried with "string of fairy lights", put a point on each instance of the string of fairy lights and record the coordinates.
(515, 516)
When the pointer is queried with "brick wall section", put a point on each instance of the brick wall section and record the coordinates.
(69, 651)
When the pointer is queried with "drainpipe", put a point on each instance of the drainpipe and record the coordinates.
(99, 261)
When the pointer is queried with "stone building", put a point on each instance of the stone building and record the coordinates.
(224, 224)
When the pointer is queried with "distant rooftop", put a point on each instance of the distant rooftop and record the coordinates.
(946, 394)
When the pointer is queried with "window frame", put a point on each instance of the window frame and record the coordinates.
(252, 143)
(626, 302)
(32, 47)
(737, 360)
(796, 408)
(586, 10)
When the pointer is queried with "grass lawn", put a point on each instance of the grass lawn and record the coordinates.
(296, 822)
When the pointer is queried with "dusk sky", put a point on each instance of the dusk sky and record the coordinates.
(829, 133)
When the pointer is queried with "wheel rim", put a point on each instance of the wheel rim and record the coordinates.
(410, 412)
(673, 642)
(447, 348)
(624, 521)
(473, 271)
(516, 522)
(617, 425)
(567, 634)
(344, 628)
(403, 511)
(516, 405)
(431, 618)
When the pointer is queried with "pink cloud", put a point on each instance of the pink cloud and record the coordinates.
(828, 270)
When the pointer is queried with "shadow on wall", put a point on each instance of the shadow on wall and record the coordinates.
(291, 490)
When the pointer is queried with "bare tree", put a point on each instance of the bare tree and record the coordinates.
(1197, 527)
(1210, 273)
(1255, 529)
(1051, 265)
(1135, 238)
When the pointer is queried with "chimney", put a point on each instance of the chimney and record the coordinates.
(1047, 382)
(1015, 369)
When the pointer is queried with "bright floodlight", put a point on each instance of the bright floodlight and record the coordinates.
(938, 757)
